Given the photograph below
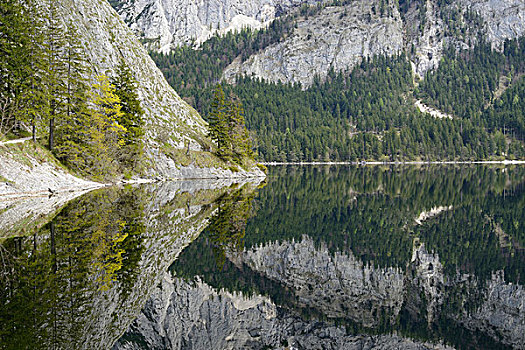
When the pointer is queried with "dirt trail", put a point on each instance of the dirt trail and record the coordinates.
(15, 141)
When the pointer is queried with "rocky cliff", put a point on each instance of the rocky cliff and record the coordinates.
(336, 38)
(185, 314)
(171, 124)
(165, 24)
(340, 37)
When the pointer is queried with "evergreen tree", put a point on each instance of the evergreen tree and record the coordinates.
(56, 69)
(35, 99)
(218, 123)
(14, 53)
(241, 146)
(71, 131)
(126, 89)
(104, 133)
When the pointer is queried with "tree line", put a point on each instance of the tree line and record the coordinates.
(366, 113)
(93, 127)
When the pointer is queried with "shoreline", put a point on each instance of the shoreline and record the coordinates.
(502, 162)
(5, 197)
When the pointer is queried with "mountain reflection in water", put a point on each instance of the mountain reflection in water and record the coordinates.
(338, 257)
(349, 258)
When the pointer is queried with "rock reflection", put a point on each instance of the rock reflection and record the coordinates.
(344, 259)
(80, 280)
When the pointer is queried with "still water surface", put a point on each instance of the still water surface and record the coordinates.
(337, 257)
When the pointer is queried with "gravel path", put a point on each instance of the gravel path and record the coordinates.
(15, 141)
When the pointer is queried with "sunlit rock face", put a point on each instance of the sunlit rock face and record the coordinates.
(336, 38)
(165, 24)
(340, 37)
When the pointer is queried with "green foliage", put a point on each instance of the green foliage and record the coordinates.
(96, 130)
(131, 119)
(365, 114)
(508, 112)
(105, 134)
(226, 127)
(54, 276)
(21, 68)
(465, 82)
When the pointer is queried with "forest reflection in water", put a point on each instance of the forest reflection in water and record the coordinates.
(318, 255)
(81, 279)
(432, 253)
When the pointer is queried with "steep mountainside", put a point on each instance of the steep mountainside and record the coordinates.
(351, 80)
(171, 124)
(336, 37)
(340, 36)
(165, 24)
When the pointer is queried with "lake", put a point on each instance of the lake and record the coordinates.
(315, 257)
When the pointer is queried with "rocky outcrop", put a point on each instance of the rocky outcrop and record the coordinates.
(338, 38)
(502, 19)
(427, 276)
(185, 314)
(165, 24)
(170, 122)
(340, 286)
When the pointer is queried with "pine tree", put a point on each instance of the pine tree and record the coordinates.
(14, 44)
(35, 101)
(238, 134)
(71, 130)
(104, 133)
(218, 123)
(126, 89)
(56, 69)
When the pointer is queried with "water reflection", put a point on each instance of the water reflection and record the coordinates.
(81, 279)
(345, 257)
(319, 258)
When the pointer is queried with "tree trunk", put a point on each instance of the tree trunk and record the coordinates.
(51, 133)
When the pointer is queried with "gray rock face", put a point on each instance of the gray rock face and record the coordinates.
(192, 315)
(170, 122)
(503, 19)
(425, 35)
(338, 38)
(331, 40)
(165, 24)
